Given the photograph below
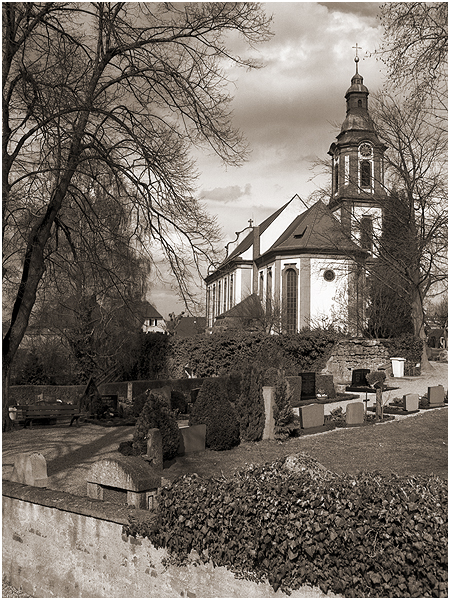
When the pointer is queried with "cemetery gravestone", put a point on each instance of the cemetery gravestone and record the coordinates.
(192, 439)
(269, 425)
(411, 402)
(308, 385)
(30, 469)
(129, 479)
(436, 396)
(312, 415)
(110, 400)
(359, 378)
(354, 414)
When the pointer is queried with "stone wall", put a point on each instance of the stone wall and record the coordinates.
(59, 545)
(355, 353)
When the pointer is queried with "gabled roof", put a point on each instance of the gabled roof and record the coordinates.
(190, 326)
(317, 229)
(249, 307)
(247, 242)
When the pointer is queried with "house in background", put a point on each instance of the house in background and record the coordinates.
(310, 262)
(149, 317)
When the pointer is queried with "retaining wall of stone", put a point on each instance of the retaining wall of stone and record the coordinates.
(60, 545)
(355, 353)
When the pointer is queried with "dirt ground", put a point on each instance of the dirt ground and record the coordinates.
(70, 451)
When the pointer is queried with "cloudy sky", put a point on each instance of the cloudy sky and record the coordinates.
(288, 112)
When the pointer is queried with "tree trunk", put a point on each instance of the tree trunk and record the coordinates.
(419, 328)
(379, 404)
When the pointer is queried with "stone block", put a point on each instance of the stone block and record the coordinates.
(269, 424)
(296, 411)
(312, 415)
(30, 468)
(130, 473)
(192, 439)
(154, 449)
(354, 413)
(411, 402)
(436, 395)
(294, 388)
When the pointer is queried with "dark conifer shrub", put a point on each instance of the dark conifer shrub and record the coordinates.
(250, 405)
(213, 409)
(282, 410)
(178, 402)
(156, 414)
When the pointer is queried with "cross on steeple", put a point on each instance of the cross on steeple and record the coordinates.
(357, 57)
(250, 222)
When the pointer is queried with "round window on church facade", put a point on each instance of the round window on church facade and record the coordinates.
(329, 275)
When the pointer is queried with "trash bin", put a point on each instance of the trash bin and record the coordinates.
(398, 367)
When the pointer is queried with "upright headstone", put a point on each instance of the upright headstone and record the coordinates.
(312, 415)
(30, 469)
(269, 425)
(359, 378)
(154, 449)
(127, 477)
(354, 413)
(411, 402)
(436, 396)
(192, 439)
(308, 385)
(130, 392)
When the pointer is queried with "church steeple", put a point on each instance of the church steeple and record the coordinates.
(357, 155)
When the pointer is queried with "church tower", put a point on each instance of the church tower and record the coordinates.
(358, 194)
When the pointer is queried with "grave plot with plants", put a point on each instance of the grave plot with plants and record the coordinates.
(365, 535)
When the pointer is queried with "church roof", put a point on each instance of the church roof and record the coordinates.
(247, 242)
(317, 229)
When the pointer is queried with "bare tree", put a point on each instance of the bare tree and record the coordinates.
(122, 90)
(415, 47)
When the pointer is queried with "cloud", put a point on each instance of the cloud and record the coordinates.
(225, 195)
(364, 9)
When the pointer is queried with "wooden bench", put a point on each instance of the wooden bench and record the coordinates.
(56, 411)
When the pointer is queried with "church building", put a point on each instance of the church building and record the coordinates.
(308, 264)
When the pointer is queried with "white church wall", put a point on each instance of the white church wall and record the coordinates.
(329, 298)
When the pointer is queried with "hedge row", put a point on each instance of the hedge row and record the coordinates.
(368, 535)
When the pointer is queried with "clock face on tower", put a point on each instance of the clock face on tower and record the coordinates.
(365, 150)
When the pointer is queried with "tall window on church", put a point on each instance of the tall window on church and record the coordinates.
(367, 234)
(214, 303)
(261, 284)
(291, 300)
(336, 176)
(225, 295)
(231, 291)
(346, 169)
(219, 297)
(365, 173)
(269, 290)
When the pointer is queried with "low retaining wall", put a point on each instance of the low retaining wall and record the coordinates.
(60, 545)
(355, 353)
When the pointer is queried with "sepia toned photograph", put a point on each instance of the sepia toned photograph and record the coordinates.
(224, 300)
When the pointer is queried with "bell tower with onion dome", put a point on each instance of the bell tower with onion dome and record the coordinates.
(357, 192)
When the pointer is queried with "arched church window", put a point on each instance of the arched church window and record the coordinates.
(336, 177)
(359, 103)
(365, 173)
(291, 300)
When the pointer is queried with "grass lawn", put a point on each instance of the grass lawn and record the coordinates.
(416, 445)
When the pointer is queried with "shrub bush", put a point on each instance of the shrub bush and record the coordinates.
(282, 410)
(178, 402)
(156, 414)
(365, 535)
(213, 409)
(250, 406)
